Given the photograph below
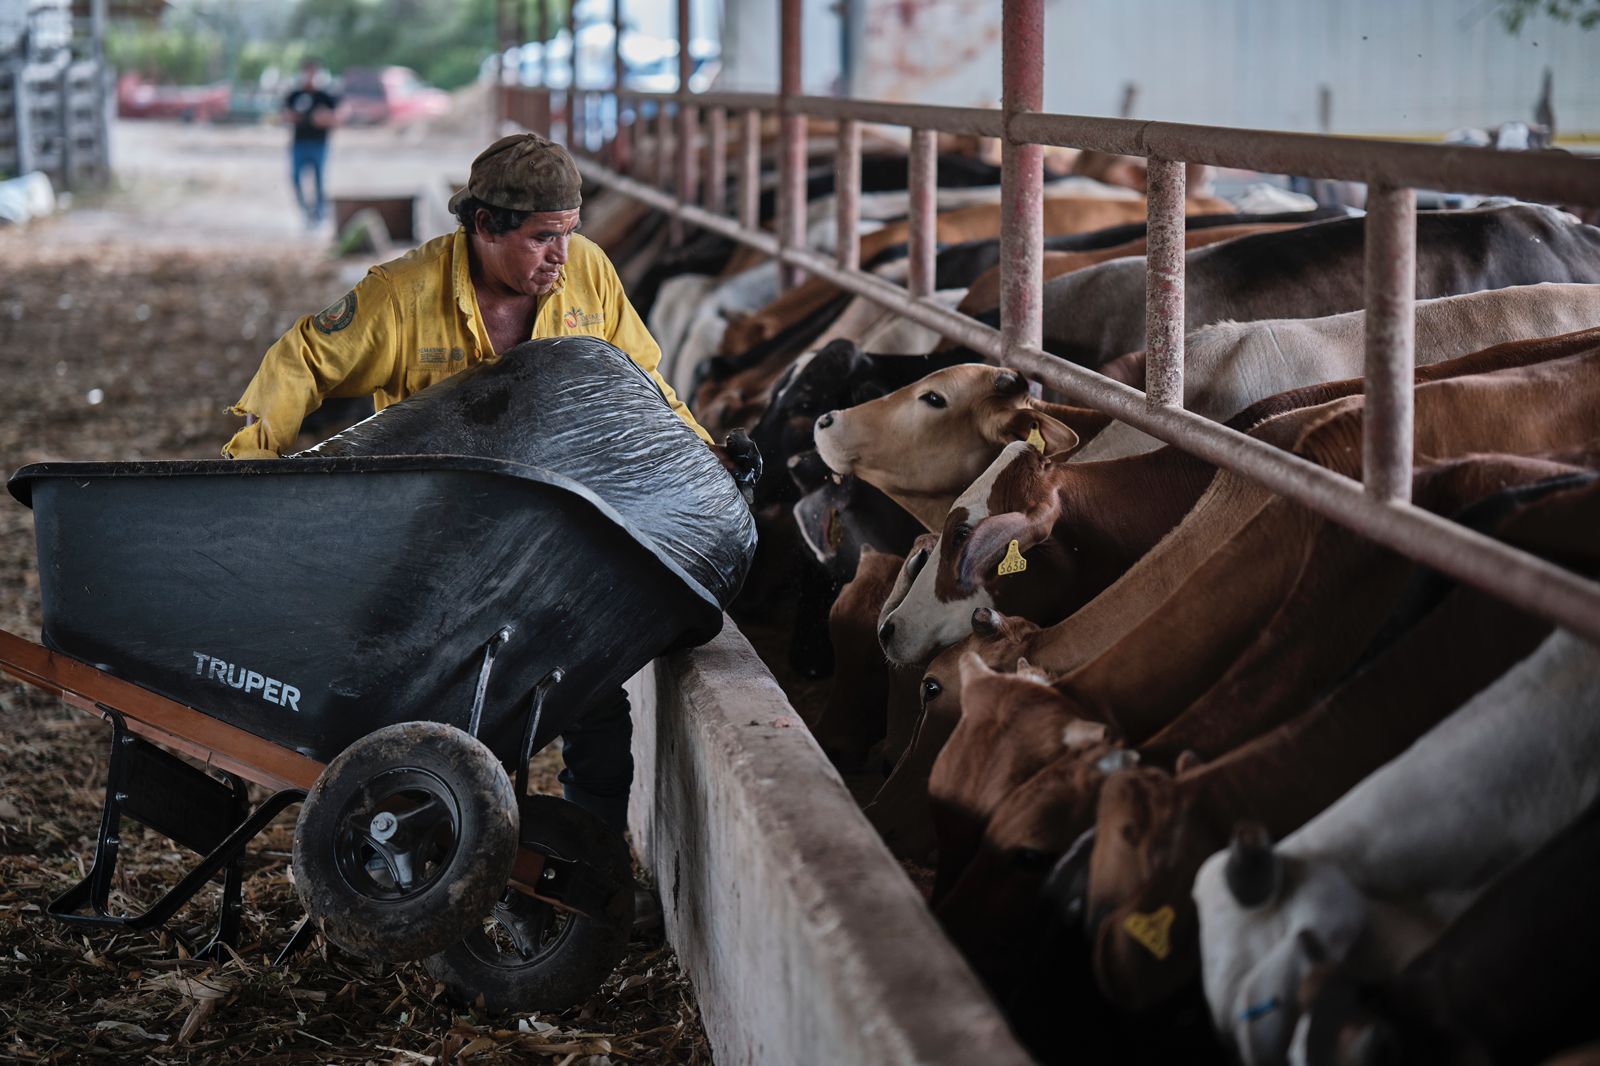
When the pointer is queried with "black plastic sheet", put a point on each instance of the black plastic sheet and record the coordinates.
(580, 407)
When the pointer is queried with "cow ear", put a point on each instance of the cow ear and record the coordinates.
(989, 544)
(1048, 435)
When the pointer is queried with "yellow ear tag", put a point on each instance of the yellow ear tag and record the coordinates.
(835, 530)
(1013, 563)
(1036, 438)
(1150, 930)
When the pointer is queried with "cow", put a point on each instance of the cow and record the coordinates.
(1062, 215)
(1477, 994)
(854, 717)
(1377, 876)
(984, 292)
(1229, 365)
(1094, 315)
(963, 574)
(940, 431)
(838, 375)
(1153, 829)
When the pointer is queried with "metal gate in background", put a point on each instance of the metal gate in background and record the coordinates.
(688, 125)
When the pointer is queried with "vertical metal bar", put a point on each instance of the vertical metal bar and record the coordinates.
(1021, 178)
(847, 188)
(572, 78)
(543, 30)
(792, 145)
(750, 171)
(924, 233)
(663, 128)
(619, 77)
(1391, 253)
(716, 187)
(1163, 286)
(686, 123)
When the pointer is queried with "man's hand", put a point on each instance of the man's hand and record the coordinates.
(740, 457)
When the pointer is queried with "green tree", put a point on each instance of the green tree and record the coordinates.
(1586, 13)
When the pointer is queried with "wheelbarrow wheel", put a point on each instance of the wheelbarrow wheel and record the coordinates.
(406, 841)
(530, 955)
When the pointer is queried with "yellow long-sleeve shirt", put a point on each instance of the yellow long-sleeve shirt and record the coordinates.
(414, 321)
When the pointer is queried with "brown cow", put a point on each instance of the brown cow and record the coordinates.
(1153, 830)
(963, 571)
(1062, 215)
(922, 444)
(1033, 816)
(854, 718)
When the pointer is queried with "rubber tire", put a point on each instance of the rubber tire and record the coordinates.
(587, 951)
(441, 914)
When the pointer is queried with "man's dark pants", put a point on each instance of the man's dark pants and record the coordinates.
(598, 752)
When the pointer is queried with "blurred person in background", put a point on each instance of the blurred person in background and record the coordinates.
(312, 111)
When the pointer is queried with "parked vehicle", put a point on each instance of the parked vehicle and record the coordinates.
(138, 98)
(373, 96)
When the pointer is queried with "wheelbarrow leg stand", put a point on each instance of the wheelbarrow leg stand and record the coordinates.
(186, 805)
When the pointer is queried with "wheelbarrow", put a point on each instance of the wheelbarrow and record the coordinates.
(386, 640)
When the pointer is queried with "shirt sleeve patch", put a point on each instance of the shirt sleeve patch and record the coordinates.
(337, 315)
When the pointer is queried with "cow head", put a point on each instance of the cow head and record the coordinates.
(1010, 727)
(924, 443)
(1269, 923)
(996, 907)
(1140, 917)
(817, 381)
(959, 575)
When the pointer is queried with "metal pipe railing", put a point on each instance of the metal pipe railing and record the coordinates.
(1520, 578)
(847, 191)
(1549, 176)
(1379, 508)
(923, 180)
(1167, 188)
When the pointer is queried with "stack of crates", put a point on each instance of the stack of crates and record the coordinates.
(54, 108)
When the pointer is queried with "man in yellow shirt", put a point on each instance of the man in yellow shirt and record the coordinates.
(515, 270)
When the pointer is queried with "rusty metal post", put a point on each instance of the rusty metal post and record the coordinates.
(1021, 178)
(923, 177)
(687, 148)
(716, 186)
(619, 76)
(572, 77)
(847, 189)
(791, 145)
(1391, 253)
(750, 170)
(663, 127)
(1163, 287)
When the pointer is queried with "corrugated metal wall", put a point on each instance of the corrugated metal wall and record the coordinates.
(1398, 67)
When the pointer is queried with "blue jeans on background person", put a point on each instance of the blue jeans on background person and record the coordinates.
(313, 156)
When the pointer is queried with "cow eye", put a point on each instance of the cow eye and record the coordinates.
(932, 399)
(960, 534)
(1033, 858)
(917, 562)
(931, 690)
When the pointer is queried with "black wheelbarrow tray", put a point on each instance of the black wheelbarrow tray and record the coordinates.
(224, 611)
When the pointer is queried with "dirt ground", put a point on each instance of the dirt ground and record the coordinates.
(126, 326)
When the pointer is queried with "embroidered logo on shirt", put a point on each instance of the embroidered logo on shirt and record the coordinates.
(337, 315)
(579, 319)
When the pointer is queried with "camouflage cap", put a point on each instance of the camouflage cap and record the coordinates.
(524, 172)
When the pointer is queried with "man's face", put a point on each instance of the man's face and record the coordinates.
(529, 259)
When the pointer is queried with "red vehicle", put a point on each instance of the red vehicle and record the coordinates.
(373, 96)
(137, 98)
